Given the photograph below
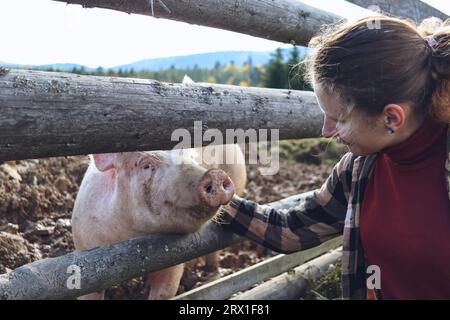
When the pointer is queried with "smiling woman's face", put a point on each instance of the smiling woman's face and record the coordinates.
(361, 134)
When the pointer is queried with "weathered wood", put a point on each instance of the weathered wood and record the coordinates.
(415, 10)
(46, 114)
(287, 21)
(103, 267)
(242, 280)
(292, 285)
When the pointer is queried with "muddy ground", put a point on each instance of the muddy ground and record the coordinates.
(37, 197)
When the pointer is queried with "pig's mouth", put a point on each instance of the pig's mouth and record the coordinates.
(202, 212)
(199, 212)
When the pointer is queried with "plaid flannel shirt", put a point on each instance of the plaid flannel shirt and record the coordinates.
(330, 211)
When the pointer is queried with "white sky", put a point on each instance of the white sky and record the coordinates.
(45, 32)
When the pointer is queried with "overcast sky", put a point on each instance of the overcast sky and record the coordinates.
(44, 32)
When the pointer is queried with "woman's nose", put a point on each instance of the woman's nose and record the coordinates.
(328, 128)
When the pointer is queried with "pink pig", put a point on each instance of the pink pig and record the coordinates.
(126, 195)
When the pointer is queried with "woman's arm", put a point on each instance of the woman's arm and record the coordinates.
(318, 218)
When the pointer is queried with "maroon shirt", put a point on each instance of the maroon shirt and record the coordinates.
(405, 217)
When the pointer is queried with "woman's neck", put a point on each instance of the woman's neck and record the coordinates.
(410, 127)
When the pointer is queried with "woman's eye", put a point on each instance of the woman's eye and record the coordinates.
(147, 166)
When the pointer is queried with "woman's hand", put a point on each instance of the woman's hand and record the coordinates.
(230, 208)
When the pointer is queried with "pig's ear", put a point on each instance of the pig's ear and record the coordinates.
(104, 161)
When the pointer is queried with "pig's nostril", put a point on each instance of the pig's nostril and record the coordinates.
(226, 184)
(209, 189)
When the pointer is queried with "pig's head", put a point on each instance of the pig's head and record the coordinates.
(159, 192)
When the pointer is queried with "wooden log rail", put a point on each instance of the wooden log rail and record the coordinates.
(45, 114)
(288, 21)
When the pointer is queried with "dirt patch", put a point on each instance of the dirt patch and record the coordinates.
(36, 200)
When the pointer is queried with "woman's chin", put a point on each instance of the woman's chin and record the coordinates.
(359, 151)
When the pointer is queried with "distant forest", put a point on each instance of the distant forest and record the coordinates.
(280, 72)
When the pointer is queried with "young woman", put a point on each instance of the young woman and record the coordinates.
(384, 89)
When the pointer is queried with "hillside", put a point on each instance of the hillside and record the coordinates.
(203, 60)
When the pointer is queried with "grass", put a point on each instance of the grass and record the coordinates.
(327, 287)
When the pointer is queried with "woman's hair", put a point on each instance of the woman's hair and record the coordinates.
(380, 60)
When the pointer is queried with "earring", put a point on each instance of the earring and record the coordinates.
(390, 130)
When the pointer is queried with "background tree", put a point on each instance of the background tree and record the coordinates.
(276, 72)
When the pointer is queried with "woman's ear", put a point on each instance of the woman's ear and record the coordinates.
(394, 117)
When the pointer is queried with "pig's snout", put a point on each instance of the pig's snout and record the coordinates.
(216, 188)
